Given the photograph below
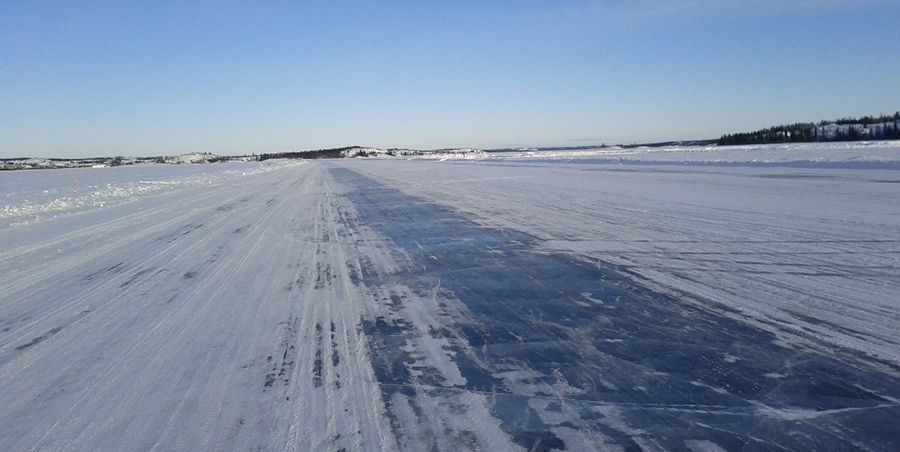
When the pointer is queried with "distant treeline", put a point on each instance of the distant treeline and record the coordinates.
(333, 153)
(844, 129)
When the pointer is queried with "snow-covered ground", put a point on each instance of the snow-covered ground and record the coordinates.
(868, 154)
(498, 304)
(28, 196)
(418, 154)
(816, 251)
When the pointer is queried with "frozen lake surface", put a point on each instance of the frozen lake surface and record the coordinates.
(505, 303)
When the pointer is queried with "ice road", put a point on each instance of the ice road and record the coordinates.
(424, 305)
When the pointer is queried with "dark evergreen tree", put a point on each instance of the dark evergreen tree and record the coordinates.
(807, 132)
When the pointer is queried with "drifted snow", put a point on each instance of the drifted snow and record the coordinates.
(29, 196)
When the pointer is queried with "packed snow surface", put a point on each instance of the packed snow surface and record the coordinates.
(503, 303)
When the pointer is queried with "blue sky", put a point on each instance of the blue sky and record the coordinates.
(149, 78)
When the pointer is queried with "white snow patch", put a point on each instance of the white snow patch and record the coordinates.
(702, 445)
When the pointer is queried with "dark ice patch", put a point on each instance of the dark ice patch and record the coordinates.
(672, 368)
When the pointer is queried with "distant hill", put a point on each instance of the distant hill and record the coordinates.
(658, 144)
(23, 163)
(362, 151)
(883, 127)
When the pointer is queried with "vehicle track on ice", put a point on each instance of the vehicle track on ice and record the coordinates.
(160, 327)
(313, 308)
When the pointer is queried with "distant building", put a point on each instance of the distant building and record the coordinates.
(827, 132)
(875, 130)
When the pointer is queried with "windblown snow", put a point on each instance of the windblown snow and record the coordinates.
(501, 301)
